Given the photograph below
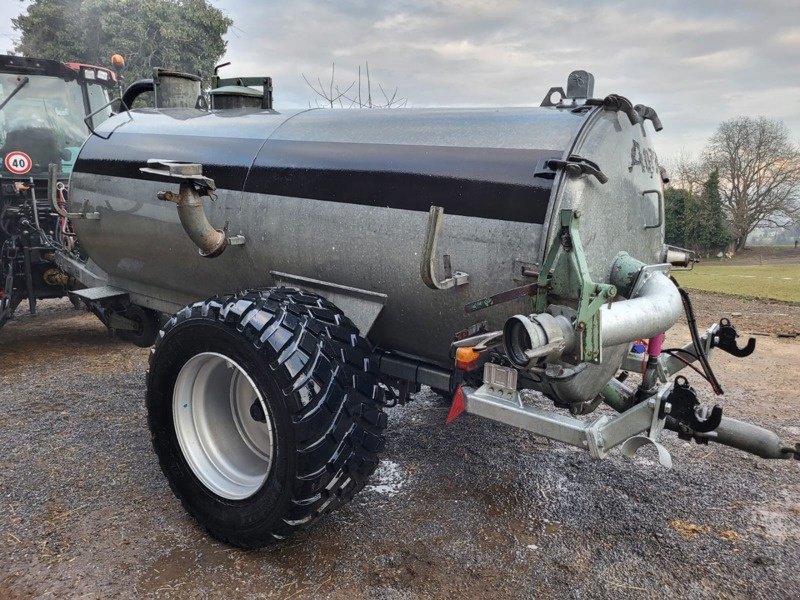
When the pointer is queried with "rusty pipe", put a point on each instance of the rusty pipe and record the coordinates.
(211, 242)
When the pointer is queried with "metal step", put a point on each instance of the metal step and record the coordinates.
(102, 292)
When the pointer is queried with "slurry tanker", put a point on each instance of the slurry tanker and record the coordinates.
(319, 266)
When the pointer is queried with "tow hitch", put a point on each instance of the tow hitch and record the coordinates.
(675, 407)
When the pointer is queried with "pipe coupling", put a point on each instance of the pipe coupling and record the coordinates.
(531, 339)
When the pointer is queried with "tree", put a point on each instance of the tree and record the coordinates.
(687, 173)
(713, 232)
(696, 221)
(759, 173)
(185, 35)
(350, 96)
(676, 202)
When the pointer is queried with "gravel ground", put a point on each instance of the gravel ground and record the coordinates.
(474, 509)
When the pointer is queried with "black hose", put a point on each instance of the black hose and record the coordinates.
(698, 347)
(136, 89)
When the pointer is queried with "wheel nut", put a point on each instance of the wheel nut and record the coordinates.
(257, 413)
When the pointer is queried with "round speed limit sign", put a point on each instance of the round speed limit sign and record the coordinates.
(18, 162)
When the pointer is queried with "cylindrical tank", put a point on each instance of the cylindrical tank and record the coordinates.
(342, 197)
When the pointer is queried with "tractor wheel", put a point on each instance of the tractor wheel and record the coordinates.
(265, 412)
(147, 322)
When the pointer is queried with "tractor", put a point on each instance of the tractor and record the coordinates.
(47, 109)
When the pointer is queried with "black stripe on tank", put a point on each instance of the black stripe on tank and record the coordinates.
(225, 160)
(495, 183)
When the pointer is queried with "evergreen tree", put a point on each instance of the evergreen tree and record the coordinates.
(185, 35)
(694, 223)
(705, 228)
(715, 231)
(675, 206)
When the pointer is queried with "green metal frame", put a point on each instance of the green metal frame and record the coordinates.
(569, 278)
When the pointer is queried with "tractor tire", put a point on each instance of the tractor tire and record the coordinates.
(265, 412)
(147, 322)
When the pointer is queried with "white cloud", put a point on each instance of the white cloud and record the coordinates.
(721, 60)
(789, 38)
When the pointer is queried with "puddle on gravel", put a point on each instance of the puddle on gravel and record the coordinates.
(388, 479)
(780, 519)
(551, 528)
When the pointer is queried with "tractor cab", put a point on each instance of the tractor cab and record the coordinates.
(44, 104)
(47, 110)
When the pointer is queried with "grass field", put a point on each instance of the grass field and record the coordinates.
(777, 281)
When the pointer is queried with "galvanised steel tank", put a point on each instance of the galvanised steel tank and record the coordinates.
(343, 197)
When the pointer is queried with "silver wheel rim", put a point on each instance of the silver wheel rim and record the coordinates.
(228, 450)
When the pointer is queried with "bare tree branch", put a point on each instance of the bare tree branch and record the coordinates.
(326, 92)
(759, 170)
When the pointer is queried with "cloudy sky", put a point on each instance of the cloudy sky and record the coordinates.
(696, 61)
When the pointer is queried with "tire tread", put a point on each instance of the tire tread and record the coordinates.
(334, 397)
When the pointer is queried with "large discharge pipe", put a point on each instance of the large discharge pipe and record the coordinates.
(655, 309)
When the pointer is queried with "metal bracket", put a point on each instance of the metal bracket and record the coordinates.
(497, 399)
(632, 445)
(594, 437)
(617, 103)
(573, 280)
(180, 171)
(684, 407)
(501, 381)
(361, 306)
(427, 265)
(102, 292)
(90, 216)
(725, 339)
(660, 407)
(575, 166)
(553, 90)
(501, 297)
(580, 84)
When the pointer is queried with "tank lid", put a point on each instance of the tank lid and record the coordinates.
(159, 72)
(236, 90)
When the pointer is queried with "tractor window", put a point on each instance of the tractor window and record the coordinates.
(98, 96)
(44, 120)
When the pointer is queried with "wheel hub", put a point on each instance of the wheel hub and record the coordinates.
(223, 426)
